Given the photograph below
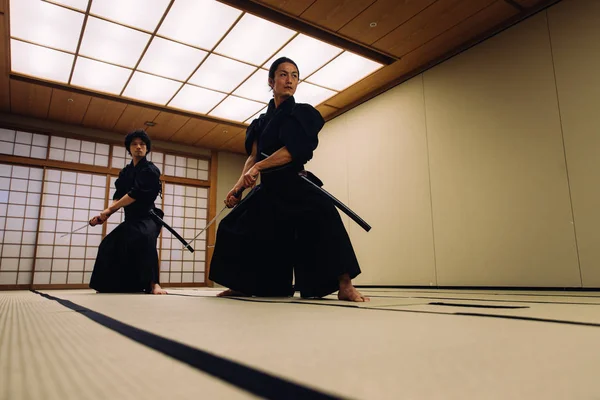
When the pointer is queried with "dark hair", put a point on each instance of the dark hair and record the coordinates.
(139, 133)
(278, 62)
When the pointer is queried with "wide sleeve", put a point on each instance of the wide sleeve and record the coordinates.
(251, 136)
(120, 186)
(299, 132)
(146, 185)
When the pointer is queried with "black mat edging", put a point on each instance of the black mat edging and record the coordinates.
(251, 380)
(439, 303)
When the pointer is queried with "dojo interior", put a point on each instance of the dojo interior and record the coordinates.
(465, 132)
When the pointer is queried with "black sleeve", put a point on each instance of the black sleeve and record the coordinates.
(299, 132)
(146, 184)
(120, 190)
(251, 136)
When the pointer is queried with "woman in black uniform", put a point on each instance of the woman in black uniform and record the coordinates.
(283, 228)
(127, 258)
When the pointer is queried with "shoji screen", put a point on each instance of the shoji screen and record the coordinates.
(69, 201)
(20, 192)
(185, 210)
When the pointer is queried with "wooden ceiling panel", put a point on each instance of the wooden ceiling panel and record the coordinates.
(4, 63)
(466, 31)
(103, 114)
(166, 125)
(334, 14)
(431, 22)
(63, 110)
(388, 14)
(192, 131)
(29, 99)
(293, 7)
(236, 144)
(218, 136)
(530, 3)
(134, 118)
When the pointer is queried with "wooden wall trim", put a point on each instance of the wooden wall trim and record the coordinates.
(212, 212)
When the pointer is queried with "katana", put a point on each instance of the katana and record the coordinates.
(212, 221)
(73, 231)
(177, 235)
(344, 208)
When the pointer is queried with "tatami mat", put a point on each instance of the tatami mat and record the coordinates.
(50, 352)
(347, 352)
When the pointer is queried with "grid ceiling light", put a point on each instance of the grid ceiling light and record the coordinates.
(99, 76)
(236, 109)
(141, 14)
(40, 62)
(116, 44)
(80, 5)
(256, 87)
(150, 88)
(252, 118)
(206, 57)
(221, 73)
(195, 99)
(45, 24)
(171, 59)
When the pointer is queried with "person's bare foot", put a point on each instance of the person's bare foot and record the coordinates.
(156, 289)
(231, 293)
(348, 292)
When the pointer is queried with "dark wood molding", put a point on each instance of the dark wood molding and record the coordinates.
(309, 29)
(212, 212)
(448, 55)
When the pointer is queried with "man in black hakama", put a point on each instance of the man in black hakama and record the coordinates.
(127, 258)
(283, 229)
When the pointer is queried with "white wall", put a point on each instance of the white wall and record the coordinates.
(462, 171)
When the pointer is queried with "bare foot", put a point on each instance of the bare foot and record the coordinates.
(156, 289)
(348, 292)
(231, 293)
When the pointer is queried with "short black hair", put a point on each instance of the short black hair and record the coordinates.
(139, 133)
(278, 62)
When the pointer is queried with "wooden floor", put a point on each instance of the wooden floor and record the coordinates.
(404, 344)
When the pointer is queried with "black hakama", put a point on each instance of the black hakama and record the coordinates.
(283, 229)
(127, 258)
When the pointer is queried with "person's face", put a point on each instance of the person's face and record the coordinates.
(285, 81)
(138, 148)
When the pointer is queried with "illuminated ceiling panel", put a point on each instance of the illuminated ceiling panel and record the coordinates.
(206, 57)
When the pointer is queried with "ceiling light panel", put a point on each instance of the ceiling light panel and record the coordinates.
(236, 109)
(170, 59)
(312, 94)
(116, 44)
(80, 5)
(45, 24)
(344, 71)
(252, 118)
(308, 53)
(200, 23)
(40, 62)
(99, 76)
(141, 14)
(150, 88)
(221, 73)
(195, 99)
(254, 40)
(256, 87)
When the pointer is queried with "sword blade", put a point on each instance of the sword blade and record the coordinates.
(73, 231)
(212, 221)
